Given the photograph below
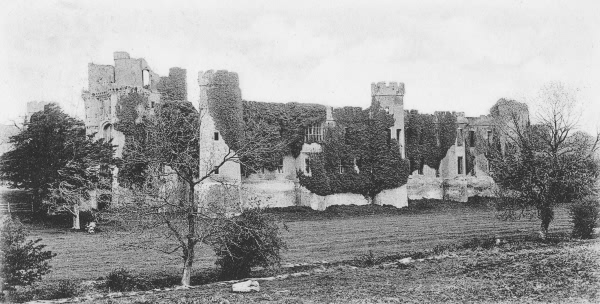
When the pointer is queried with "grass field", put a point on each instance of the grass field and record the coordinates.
(89, 256)
(521, 272)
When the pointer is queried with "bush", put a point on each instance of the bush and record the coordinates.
(249, 240)
(121, 280)
(584, 215)
(23, 262)
(64, 289)
(366, 260)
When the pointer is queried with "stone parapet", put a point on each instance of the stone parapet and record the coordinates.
(387, 89)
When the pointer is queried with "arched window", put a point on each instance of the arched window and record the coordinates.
(107, 132)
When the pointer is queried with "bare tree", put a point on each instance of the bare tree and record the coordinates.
(541, 165)
(168, 206)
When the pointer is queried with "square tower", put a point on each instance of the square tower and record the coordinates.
(390, 97)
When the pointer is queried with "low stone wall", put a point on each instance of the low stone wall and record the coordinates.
(459, 188)
(396, 197)
(318, 202)
(287, 193)
(422, 186)
(268, 193)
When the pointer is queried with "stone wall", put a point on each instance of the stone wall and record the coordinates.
(173, 87)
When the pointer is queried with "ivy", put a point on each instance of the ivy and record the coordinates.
(283, 124)
(428, 137)
(174, 87)
(225, 107)
(129, 112)
(358, 140)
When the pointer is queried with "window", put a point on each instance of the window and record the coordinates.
(107, 132)
(280, 166)
(146, 78)
(389, 136)
(489, 136)
(307, 165)
(460, 165)
(459, 139)
(471, 138)
(345, 166)
(216, 169)
(421, 165)
(216, 136)
(314, 133)
(152, 104)
(398, 132)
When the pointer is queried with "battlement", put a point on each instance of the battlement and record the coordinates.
(218, 78)
(121, 55)
(384, 89)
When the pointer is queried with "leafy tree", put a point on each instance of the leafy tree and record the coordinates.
(53, 157)
(165, 210)
(23, 262)
(543, 165)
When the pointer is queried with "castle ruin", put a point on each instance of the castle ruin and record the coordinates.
(461, 170)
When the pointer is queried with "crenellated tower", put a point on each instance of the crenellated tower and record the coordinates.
(391, 98)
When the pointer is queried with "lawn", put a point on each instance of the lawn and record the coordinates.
(89, 256)
(520, 272)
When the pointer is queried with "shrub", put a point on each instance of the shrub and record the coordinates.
(366, 260)
(23, 262)
(121, 280)
(584, 215)
(249, 240)
(64, 289)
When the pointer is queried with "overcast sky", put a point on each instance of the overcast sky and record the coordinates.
(461, 56)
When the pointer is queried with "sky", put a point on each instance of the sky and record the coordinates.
(451, 55)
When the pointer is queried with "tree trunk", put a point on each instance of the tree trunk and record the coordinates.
(76, 218)
(187, 267)
(191, 238)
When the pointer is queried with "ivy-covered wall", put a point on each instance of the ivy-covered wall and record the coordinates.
(279, 126)
(173, 87)
(129, 112)
(358, 155)
(428, 137)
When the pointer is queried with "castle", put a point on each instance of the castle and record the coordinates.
(446, 151)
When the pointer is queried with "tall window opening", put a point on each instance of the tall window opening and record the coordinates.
(398, 132)
(307, 165)
(216, 136)
(421, 165)
(107, 132)
(389, 136)
(459, 140)
(460, 165)
(146, 78)
(280, 166)
(314, 133)
(489, 136)
(471, 139)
